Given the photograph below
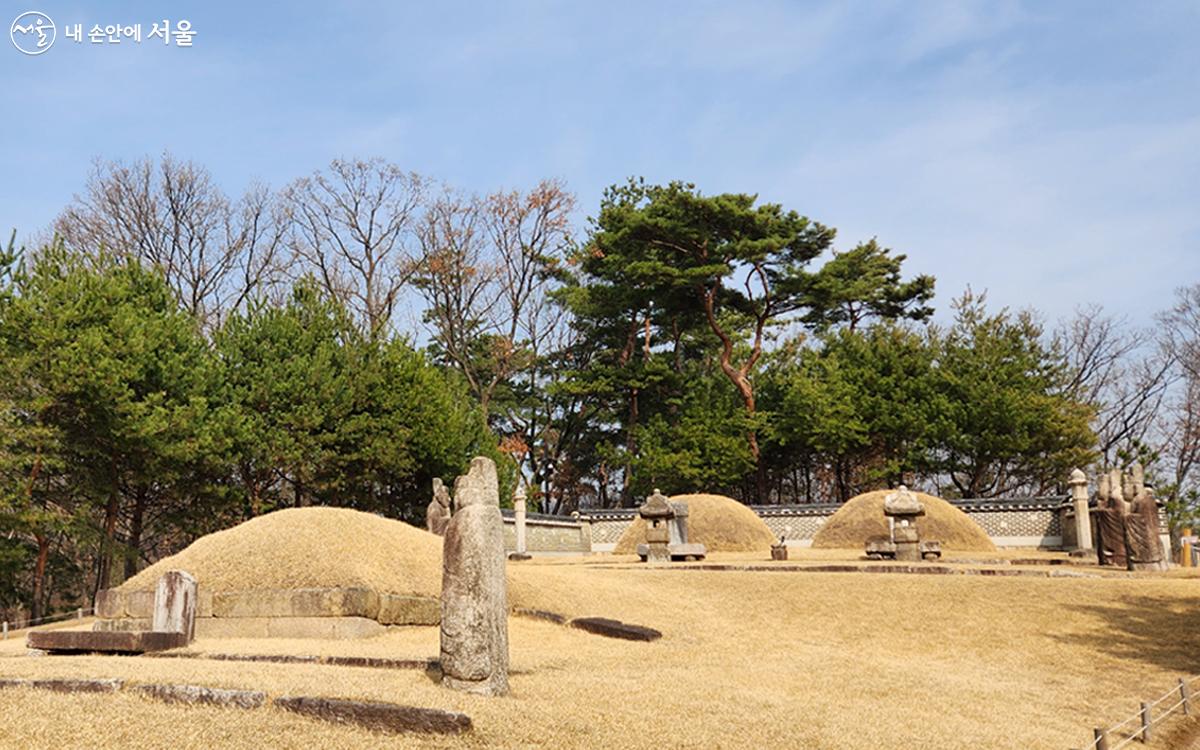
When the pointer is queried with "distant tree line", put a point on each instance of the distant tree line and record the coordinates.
(173, 361)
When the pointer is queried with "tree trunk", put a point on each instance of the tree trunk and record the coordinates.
(103, 575)
(39, 577)
(135, 535)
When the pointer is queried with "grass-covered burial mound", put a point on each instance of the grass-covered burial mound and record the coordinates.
(303, 548)
(862, 518)
(720, 523)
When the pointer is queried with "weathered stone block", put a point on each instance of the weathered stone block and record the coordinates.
(139, 604)
(204, 603)
(123, 624)
(99, 641)
(110, 604)
(396, 609)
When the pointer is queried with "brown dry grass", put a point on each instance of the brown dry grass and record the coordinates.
(720, 523)
(748, 660)
(862, 518)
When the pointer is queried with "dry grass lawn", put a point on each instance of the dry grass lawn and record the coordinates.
(862, 518)
(748, 659)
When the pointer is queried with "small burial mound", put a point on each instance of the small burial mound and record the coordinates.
(862, 518)
(720, 523)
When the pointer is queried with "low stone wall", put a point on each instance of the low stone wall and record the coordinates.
(1020, 522)
(549, 534)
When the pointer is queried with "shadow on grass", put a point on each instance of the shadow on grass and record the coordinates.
(1159, 631)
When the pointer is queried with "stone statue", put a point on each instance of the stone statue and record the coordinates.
(1110, 521)
(437, 513)
(474, 633)
(1142, 532)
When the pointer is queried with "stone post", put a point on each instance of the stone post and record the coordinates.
(175, 604)
(474, 632)
(519, 523)
(1083, 522)
(519, 510)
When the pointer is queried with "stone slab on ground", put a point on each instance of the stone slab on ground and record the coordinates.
(615, 629)
(193, 694)
(372, 662)
(100, 641)
(387, 717)
(78, 686)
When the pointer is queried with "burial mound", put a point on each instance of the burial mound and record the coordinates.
(861, 518)
(720, 523)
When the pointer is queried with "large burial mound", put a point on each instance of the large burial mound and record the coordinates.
(302, 572)
(720, 523)
(330, 572)
(303, 548)
(862, 518)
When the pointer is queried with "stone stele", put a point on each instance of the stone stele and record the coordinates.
(474, 633)
(437, 513)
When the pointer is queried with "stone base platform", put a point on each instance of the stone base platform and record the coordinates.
(281, 613)
(690, 551)
(107, 642)
(263, 627)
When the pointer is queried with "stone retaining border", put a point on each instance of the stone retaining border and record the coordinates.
(372, 662)
(909, 569)
(193, 694)
(386, 717)
(66, 685)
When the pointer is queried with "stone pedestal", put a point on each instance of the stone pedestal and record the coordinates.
(779, 552)
(908, 542)
(658, 548)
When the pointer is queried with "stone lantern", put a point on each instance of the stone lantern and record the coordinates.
(903, 508)
(658, 512)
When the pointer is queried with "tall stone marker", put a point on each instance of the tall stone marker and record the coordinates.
(1083, 522)
(474, 648)
(175, 604)
(437, 513)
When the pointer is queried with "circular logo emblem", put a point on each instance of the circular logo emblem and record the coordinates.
(32, 33)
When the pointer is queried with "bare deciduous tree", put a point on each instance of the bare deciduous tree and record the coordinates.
(353, 226)
(214, 253)
(1124, 374)
(487, 267)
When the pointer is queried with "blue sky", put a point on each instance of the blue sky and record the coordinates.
(1047, 152)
